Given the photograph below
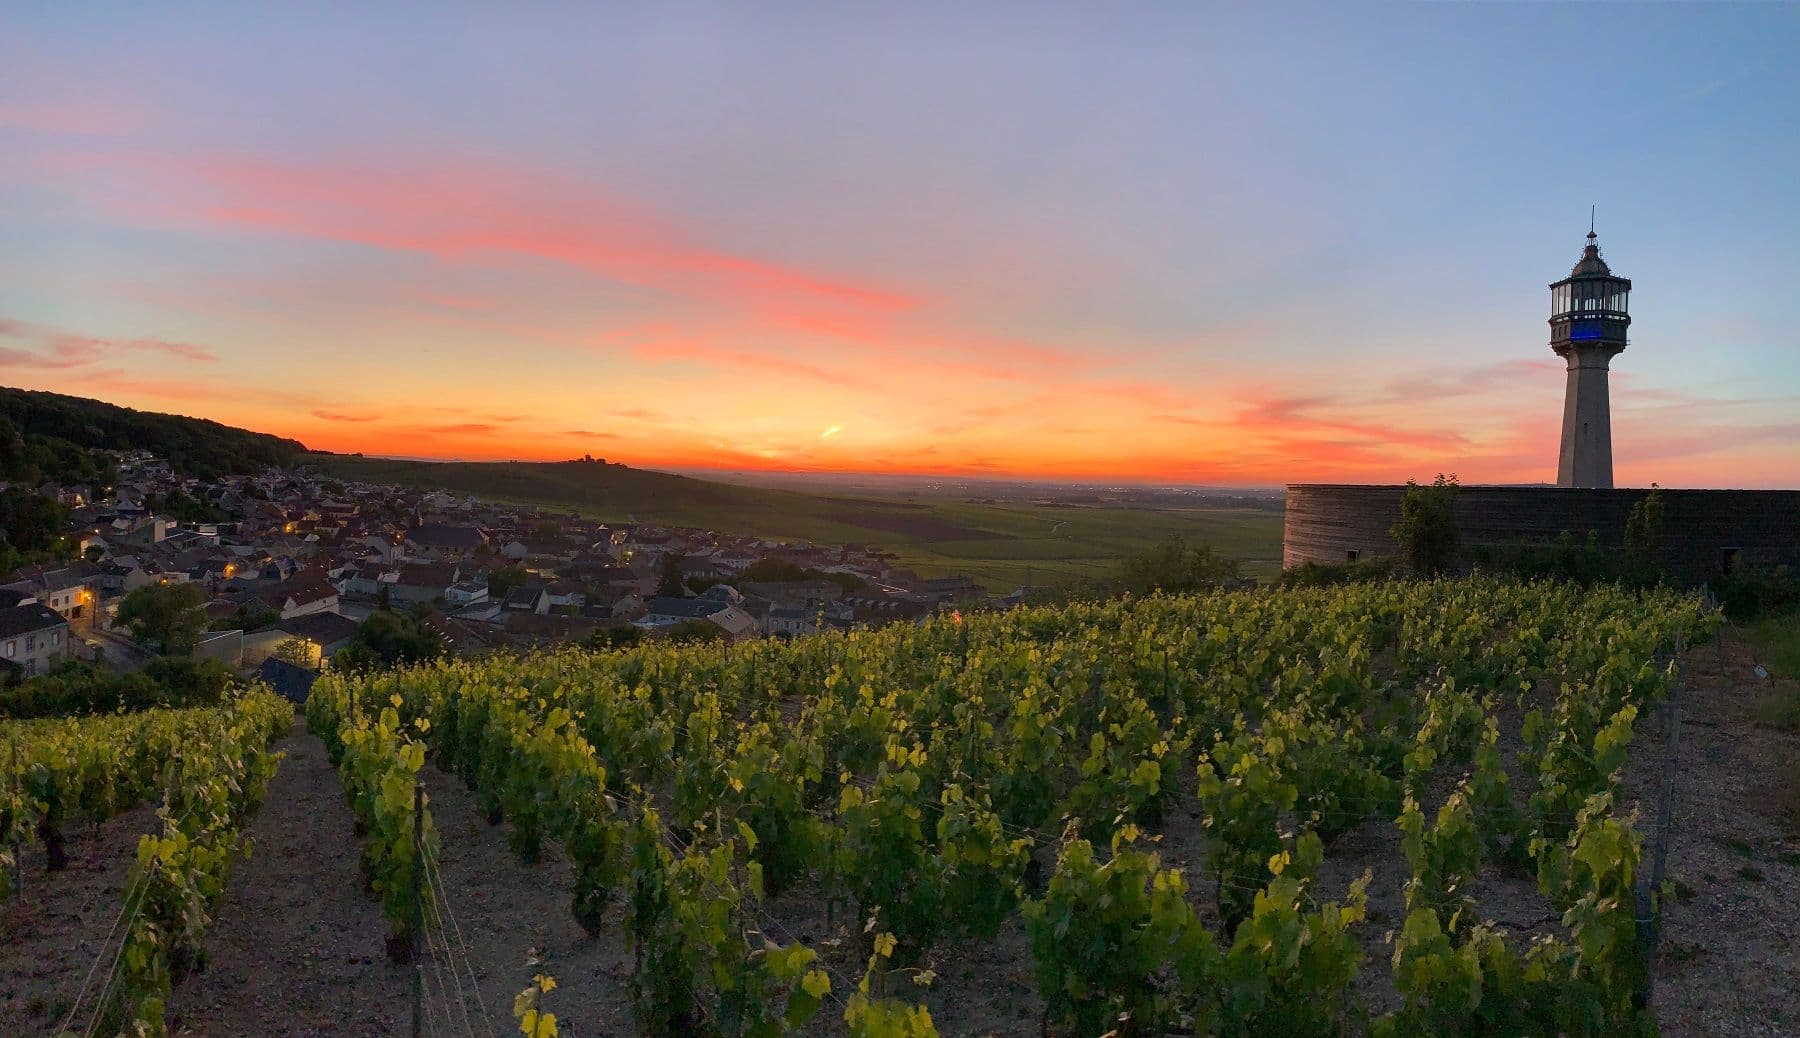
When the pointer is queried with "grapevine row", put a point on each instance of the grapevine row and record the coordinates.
(917, 774)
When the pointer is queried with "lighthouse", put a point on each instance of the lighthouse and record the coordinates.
(1589, 313)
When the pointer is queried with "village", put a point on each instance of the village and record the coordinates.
(288, 566)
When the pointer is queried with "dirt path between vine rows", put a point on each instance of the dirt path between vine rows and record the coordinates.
(297, 948)
(52, 932)
(1729, 961)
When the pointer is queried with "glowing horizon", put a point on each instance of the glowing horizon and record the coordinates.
(1217, 248)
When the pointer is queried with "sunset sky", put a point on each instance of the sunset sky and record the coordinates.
(1249, 246)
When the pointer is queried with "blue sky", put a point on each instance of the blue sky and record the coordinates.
(1241, 244)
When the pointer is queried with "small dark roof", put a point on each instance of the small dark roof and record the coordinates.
(323, 628)
(690, 608)
(437, 535)
(1590, 264)
(419, 574)
(28, 619)
(286, 679)
(524, 597)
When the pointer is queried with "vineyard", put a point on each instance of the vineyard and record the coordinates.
(1355, 777)
(206, 769)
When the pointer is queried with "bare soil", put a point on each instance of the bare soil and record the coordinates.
(1729, 961)
(298, 947)
(52, 929)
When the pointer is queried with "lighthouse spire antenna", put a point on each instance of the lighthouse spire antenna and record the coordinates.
(1591, 210)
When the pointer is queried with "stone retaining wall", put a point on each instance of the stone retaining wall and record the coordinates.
(1702, 529)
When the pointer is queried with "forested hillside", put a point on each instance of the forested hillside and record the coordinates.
(51, 437)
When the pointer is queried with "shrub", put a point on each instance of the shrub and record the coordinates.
(1333, 574)
(1427, 531)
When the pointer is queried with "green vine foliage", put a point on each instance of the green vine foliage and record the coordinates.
(1105, 933)
(179, 872)
(1476, 985)
(883, 856)
(869, 1015)
(1290, 967)
(1443, 857)
(912, 769)
(1243, 794)
(984, 867)
(1504, 838)
(1592, 878)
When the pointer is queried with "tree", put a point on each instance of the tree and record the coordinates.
(166, 614)
(671, 586)
(29, 521)
(300, 652)
(1427, 531)
(505, 580)
(1175, 566)
(695, 632)
(389, 639)
(251, 617)
(621, 637)
(775, 570)
(1644, 529)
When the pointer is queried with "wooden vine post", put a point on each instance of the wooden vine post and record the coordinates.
(418, 910)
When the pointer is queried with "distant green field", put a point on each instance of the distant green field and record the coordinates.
(1002, 545)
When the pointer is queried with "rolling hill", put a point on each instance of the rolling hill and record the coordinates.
(1001, 544)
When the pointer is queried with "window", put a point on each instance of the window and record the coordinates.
(30, 642)
(1352, 555)
(12, 649)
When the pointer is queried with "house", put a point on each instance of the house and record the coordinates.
(663, 613)
(792, 621)
(723, 593)
(737, 624)
(530, 598)
(33, 639)
(286, 679)
(422, 582)
(331, 632)
(566, 594)
(794, 592)
(441, 541)
(466, 593)
(67, 589)
(365, 581)
(301, 598)
(533, 629)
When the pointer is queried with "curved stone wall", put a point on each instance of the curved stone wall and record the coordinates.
(1702, 529)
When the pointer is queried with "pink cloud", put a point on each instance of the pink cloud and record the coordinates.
(491, 215)
(472, 213)
(59, 350)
